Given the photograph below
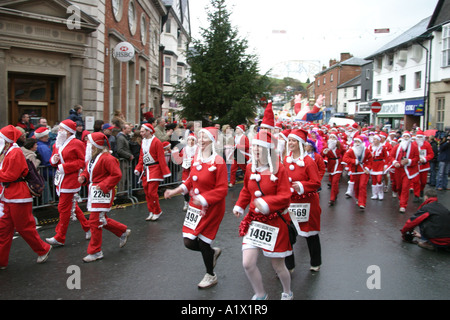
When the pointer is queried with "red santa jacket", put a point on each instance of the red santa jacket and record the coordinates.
(12, 168)
(411, 153)
(379, 159)
(333, 160)
(426, 153)
(152, 161)
(103, 172)
(358, 166)
(71, 162)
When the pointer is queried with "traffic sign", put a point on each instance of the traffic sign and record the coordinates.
(375, 107)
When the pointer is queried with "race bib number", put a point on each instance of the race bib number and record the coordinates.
(300, 211)
(147, 159)
(192, 218)
(262, 236)
(423, 153)
(99, 197)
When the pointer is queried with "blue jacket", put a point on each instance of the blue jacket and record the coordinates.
(45, 151)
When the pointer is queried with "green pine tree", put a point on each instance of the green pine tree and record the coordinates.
(225, 85)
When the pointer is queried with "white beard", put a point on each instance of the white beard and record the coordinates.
(190, 151)
(281, 146)
(358, 150)
(332, 144)
(405, 144)
(420, 142)
(60, 139)
(88, 155)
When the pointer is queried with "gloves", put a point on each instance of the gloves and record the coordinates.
(102, 220)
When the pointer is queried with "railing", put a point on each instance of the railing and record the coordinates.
(126, 188)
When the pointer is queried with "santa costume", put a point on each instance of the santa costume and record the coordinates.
(332, 155)
(426, 155)
(207, 186)
(16, 212)
(405, 158)
(68, 157)
(102, 174)
(359, 161)
(379, 165)
(152, 168)
(185, 157)
(241, 153)
(266, 187)
(305, 204)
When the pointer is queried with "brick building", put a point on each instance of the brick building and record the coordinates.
(338, 73)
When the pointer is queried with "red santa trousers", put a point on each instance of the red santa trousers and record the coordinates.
(420, 183)
(151, 196)
(360, 188)
(95, 244)
(65, 211)
(334, 181)
(234, 168)
(19, 216)
(402, 185)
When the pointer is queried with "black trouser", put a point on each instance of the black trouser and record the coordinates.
(315, 253)
(205, 249)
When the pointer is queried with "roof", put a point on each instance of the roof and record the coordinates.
(353, 61)
(441, 14)
(405, 38)
(356, 81)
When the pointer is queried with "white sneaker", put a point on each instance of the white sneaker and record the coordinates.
(394, 194)
(53, 242)
(150, 216)
(124, 238)
(186, 206)
(88, 235)
(287, 296)
(264, 297)
(156, 216)
(315, 269)
(93, 257)
(402, 210)
(208, 281)
(43, 258)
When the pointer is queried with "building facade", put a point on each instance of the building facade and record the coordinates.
(56, 54)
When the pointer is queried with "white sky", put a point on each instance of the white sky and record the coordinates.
(317, 30)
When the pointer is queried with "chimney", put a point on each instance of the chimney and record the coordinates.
(345, 56)
(332, 62)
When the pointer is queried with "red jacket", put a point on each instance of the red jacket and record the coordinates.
(12, 168)
(426, 153)
(105, 173)
(355, 166)
(411, 153)
(152, 161)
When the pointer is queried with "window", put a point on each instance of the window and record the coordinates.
(367, 74)
(143, 30)
(179, 74)
(132, 17)
(418, 80)
(345, 92)
(117, 7)
(324, 80)
(440, 113)
(389, 85)
(168, 25)
(446, 46)
(331, 77)
(355, 92)
(379, 87)
(167, 68)
(402, 85)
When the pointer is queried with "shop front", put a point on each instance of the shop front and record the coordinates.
(414, 113)
(392, 115)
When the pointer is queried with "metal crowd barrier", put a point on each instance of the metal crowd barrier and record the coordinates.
(127, 187)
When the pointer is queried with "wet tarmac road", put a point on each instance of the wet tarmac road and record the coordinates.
(359, 249)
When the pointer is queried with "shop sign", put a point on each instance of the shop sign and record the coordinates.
(415, 108)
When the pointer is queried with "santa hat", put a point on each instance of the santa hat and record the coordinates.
(355, 126)
(211, 132)
(377, 136)
(41, 132)
(268, 121)
(383, 134)
(149, 127)
(264, 139)
(284, 134)
(241, 127)
(69, 125)
(299, 134)
(166, 144)
(192, 136)
(406, 133)
(420, 133)
(279, 125)
(99, 140)
(10, 134)
(358, 138)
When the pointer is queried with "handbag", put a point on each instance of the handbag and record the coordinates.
(290, 225)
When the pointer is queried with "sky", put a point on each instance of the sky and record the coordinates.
(295, 37)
